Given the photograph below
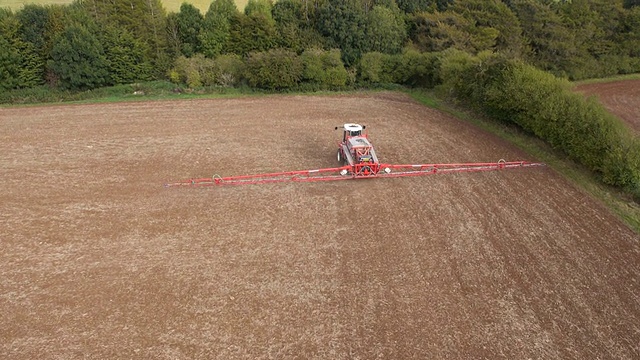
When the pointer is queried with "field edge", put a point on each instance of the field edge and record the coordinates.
(617, 201)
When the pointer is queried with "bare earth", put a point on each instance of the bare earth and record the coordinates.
(99, 260)
(622, 98)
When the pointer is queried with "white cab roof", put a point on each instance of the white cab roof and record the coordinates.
(352, 127)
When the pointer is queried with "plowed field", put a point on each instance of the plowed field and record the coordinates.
(622, 98)
(99, 260)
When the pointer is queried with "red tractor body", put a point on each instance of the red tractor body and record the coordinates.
(356, 151)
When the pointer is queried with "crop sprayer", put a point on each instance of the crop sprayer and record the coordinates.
(358, 160)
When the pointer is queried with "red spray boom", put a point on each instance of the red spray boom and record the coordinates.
(359, 161)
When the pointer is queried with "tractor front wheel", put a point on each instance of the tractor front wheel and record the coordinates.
(340, 160)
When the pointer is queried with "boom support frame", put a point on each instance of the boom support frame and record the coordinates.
(356, 171)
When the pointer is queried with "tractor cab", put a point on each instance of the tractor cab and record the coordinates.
(351, 130)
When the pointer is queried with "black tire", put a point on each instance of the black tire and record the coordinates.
(340, 159)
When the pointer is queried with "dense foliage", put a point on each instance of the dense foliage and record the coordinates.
(514, 92)
(507, 58)
(93, 43)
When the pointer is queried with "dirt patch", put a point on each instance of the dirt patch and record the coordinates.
(622, 98)
(98, 260)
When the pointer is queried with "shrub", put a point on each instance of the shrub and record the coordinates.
(323, 68)
(230, 69)
(417, 69)
(78, 59)
(546, 106)
(456, 72)
(186, 71)
(621, 165)
(274, 69)
(198, 71)
(370, 67)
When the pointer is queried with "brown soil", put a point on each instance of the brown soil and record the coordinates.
(622, 98)
(99, 260)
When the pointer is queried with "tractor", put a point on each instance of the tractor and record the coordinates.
(356, 151)
(357, 160)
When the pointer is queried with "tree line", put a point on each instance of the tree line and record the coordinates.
(95, 43)
(508, 59)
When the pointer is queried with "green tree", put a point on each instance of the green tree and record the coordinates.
(39, 26)
(216, 27)
(77, 14)
(596, 25)
(20, 57)
(125, 56)
(78, 60)
(444, 4)
(286, 14)
(438, 31)
(386, 30)
(146, 20)
(9, 57)
(414, 6)
(174, 43)
(259, 7)
(490, 16)
(631, 3)
(34, 20)
(551, 44)
(31, 65)
(294, 27)
(189, 24)
(9, 66)
(629, 35)
(310, 10)
(345, 26)
(251, 33)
